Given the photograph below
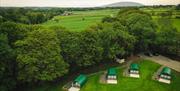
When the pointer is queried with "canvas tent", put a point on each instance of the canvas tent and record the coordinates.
(112, 76)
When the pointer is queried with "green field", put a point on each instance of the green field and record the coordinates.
(145, 83)
(176, 23)
(81, 20)
(75, 21)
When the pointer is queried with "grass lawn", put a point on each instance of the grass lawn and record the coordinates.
(75, 22)
(145, 83)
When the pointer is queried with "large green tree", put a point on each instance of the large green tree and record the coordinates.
(116, 40)
(39, 57)
(7, 75)
(141, 25)
(9, 33)
(70, 46)
(90, 48)
(14, 31)
(168, 38)
(80, 48)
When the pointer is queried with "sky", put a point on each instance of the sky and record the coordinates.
(79, 3)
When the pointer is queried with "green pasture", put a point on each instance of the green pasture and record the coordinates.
(80, 20)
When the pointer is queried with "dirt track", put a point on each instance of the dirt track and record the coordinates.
(164, 61)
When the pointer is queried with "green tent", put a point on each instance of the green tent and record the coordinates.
(81, 79)
(134, 66)
(112, 72)
(166, 71)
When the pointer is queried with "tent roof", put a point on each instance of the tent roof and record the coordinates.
(112, 71)
(134, 66)
(81, 79)
(166, 70)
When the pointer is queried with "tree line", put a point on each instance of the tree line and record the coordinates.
(28, 15)
(32, 53)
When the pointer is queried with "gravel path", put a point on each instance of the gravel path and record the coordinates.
(103, 77)
(164, 61)
(155, 75)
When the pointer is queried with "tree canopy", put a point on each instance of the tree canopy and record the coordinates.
(32, 53)
(38, 57)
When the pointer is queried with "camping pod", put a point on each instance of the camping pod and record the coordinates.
(165, 75)
(79, 81)
(111, 76)
(134, 70)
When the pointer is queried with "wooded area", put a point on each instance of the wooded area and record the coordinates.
(31, 53)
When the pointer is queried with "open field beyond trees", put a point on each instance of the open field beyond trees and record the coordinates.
(82, 20)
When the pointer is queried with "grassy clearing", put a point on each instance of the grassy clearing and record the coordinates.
(145, 83)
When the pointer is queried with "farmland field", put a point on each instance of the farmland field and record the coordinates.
(81, 20)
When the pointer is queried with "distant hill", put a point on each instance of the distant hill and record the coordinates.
(123, 4)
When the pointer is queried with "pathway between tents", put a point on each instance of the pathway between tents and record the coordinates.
(164, 61)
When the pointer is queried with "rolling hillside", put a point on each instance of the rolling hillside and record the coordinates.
(123, 4)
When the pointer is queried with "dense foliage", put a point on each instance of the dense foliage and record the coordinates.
(9, 33)
(32, 53)
(6, 65)
(28, 15)
(168, 38)
(38, 57)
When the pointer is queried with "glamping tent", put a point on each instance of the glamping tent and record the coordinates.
(165, 75)
(111, 76)
(78, 83)
(134, 70)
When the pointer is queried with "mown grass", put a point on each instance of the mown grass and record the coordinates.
(145, 83)
(75, 22)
